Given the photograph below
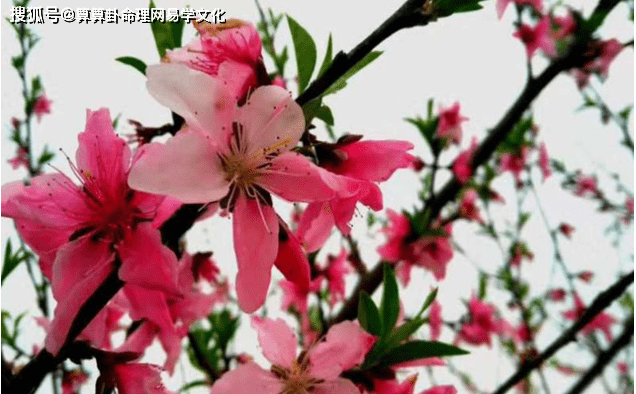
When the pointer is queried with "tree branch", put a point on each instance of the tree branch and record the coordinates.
(605, 357)
(602, 301)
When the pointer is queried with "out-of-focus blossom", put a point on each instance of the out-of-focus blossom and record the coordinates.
(20, 160)
(435, 320)
(544, 162)
(514, 162)
(42, 106)
(557, 295)
(603, 321)
(537, 37)
(468, 208)
(585, 185)
(73, 380)
(566, 229)
(503, 4)
(482, 323)
(450, 123)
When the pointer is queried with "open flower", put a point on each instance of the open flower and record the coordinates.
(537, 37)
(450, 123)
(42, 106)
(81, 231)
(235, 156)
(315, 371)
(603, 321)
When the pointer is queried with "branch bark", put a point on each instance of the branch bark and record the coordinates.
(602, 301)
(605, 357)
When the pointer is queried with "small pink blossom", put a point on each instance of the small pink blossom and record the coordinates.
(503, 4)
(20, 160)
(623, 368)
(449, 125)
(585, 276)
(520, 252)
(566, 26)
(604, 53)
(629, 209)
(229, 51)
(337, 269)
(316, 370)
(482, 323)
(537, 37)
(585, 185)
(417, 164)
(557, 295)
(435, 320)
(461, 167)
(514, 162)
(42, 106)
(468, 208)
(602, 321)
(544, 162)
(357, 166)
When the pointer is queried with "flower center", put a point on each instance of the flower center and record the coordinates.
(297, 380)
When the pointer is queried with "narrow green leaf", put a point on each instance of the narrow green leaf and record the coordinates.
(10, 262)
(429, 300)
(305, 49)
(404, 331)
(177, 32)
(162, 32)
(310, 109)
(324, 114)
(483, 286)
(135, 63)
(368, 314)
(416, 350)
(390, 306)
(328, 57)
(342, 81)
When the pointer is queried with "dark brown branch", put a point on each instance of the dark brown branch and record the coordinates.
(30, 377)
(368, 283)
(602, 301)
(410, 14)
(605, 357)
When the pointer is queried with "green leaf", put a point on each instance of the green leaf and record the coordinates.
(328, 57)
(310, 109)
(135, 63)
(416, 350)
(162, 32)
(342, 81)
(429, 300)
(390, 306)
(10, 261)
(445, 8)
(36, 87)
(177, 32)
(404, 331)
(324, 114)
(305, 49)
(368, 314)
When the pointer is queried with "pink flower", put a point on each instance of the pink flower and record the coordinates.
(585, 276)
(392, 386)
(80, 231)
(435, 320)
(537, 37)
(481, 325)
(337, 269)
(449, 125)
(520, 251)
(629, 208)
(235, 156)
(623, 368)
(448, 389)
(279, 81)
(544, 162)
(73, 380)
(230, 51)
(566, 229)
(41, 106)
(20, 160)
(503, 4)
(317, 370)
(604, 53)
(603, 321)
(431, 252)
(585, 185)
(514, 162)
(359, 166)
(556, 295)
(468, 208)
(133, 378)
(566, 26)
(461, 166)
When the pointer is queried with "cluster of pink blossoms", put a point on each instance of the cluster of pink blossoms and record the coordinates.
(235, 150)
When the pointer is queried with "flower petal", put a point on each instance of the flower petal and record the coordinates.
(277, 340)
(203, 101)
(293, 177)
(145, 261)
(315, 225)
(336, 386)
(186, 168)
(291, 260)
(272, 120)
(248, 378)
(255, 228)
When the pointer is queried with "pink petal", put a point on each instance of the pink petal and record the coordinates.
(345, 346)
(203, 101)
(138, 379)
(186, 168)
(166, 209)
(293, 177)
(255, 228)
(102, 155)
(375, 160)
(315, 225)
(67, 309)
(146, 261)
(277, 340)
(76, 261)
(336, 386)
(248, 378)
(291, 260)
(272, 120)
(501, 7)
